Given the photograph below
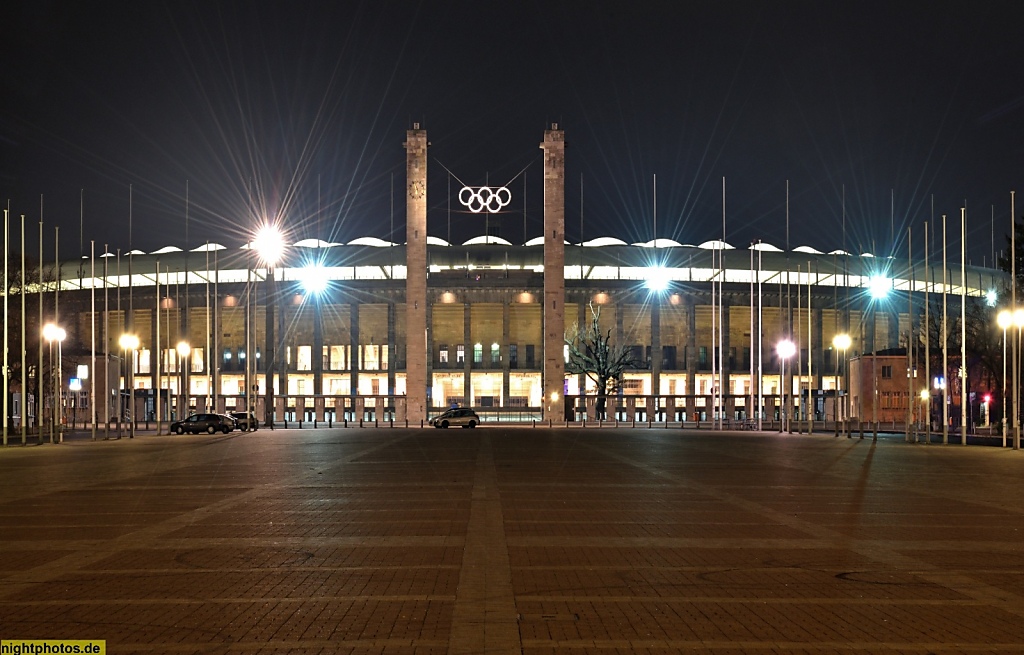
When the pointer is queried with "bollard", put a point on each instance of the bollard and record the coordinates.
(344, 421)
(360, 421)
(534, 422)
(860, 427)
(549, 423)
(392, 422)
(634, 421)
(375, 424)
(314, 423)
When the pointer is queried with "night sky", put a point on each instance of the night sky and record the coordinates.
(298, 110)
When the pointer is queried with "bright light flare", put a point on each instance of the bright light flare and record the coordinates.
(842, 341)
(991, 297)
(184, 349)
(314, 279)
(785, 349)
(268, 244)
(1004, 319)
(53, 332)
(128, 342)
(657, 279)
(879, 287)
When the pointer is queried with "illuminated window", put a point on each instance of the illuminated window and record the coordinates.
(478, 353)
(305, 358)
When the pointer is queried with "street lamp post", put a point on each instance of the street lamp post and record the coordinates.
(53, 333)
(841, 342)
(129, 344)
(269, 246)
(1004, 319)
(785, 350)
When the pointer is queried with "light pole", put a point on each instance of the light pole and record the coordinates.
(184, 350)
(269, 246)
(129, 344)
(1004, 319)
(841, 342)
(785, 350)
(53, 333)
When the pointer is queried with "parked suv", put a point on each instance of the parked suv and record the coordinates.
(467, 418)
(245, 421)
(210, 423)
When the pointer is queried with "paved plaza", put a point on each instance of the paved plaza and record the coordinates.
(513, 540)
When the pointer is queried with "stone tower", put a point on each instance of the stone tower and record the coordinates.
(416, 276)
(554, 272)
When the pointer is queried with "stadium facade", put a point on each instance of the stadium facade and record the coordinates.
(376, 330)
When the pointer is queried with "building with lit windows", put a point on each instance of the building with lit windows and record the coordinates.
(376, 330)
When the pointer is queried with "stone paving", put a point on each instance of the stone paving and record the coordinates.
(513, 540)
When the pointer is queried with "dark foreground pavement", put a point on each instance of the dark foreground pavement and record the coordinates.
(502, 540)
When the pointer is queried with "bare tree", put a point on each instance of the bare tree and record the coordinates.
(591, 353)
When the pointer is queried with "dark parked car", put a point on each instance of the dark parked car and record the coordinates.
(210, 423)
(467, 418)
(245, 421)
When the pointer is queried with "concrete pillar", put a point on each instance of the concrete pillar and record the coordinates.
(392, 349)
(506, 362)
(554, 271)
(691, 359)
(318, 346)
(725, 375)
(416, 278)
(353, 360)
(467, 369)
(656, 345)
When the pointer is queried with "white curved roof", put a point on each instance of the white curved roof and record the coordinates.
(209, 247)
(659, 243)
(370, 241)
(487, 239)
(715, 244)
(436, 241)
(604, 241)
(166, 249)
(765, 247)
(838, 251)
(807, 249)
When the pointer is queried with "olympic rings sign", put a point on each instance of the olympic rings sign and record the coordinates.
(484, 198)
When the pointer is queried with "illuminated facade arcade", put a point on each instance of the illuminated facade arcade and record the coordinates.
(340, 340)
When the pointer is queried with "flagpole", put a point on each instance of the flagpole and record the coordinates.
(24, 349)
(945, 344)
(7, 322)
(963, 327)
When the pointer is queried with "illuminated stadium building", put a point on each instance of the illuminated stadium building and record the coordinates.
(376, 330)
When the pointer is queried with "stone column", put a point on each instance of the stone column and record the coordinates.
(656, 345)
(467, 365)
(506, 362)
(353, 359)
(392, 352)
(416, 277)
(691, 359)
(318, 346)
(729, 404)
(554, 271)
